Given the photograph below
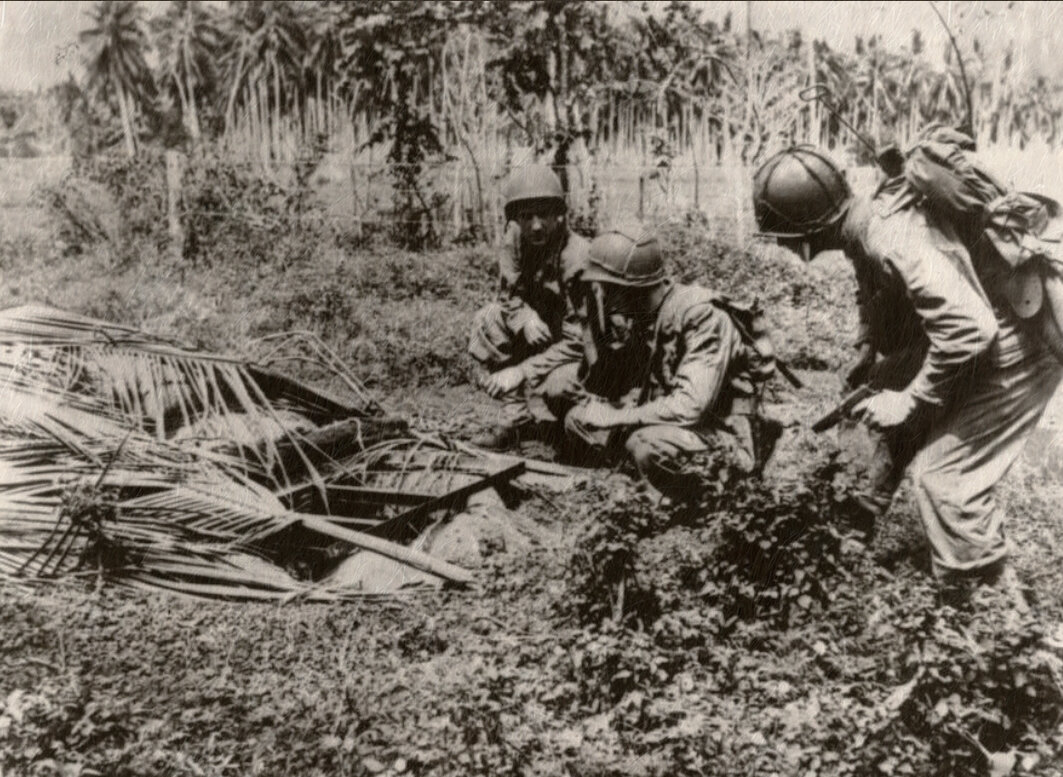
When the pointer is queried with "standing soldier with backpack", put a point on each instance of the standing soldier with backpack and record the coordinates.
(518, 338)
(960, 379)
(670, 372)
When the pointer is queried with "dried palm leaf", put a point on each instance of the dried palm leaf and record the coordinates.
(163, 466)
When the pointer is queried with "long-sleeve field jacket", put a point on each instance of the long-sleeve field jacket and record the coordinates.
(697, 366)
(543, 282)
(917, 289)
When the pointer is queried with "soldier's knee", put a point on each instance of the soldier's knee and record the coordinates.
(582, 442)
(647, 452)
(943, 494)
(490, 341)
(562, 383)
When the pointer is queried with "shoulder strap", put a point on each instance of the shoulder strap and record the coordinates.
(749, 320)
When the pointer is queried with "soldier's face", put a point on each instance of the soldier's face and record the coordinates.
(539, 222)
(625, 310)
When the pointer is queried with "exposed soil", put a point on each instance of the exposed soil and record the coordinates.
(608, 634)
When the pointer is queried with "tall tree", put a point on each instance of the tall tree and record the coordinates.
(266, 51)
(323, 55)
(188, 38)
(116, 45)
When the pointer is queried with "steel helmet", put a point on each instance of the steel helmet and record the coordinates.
(798, 192)
(534, 182)
(625, 257)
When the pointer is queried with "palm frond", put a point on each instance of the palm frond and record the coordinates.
(160, 465)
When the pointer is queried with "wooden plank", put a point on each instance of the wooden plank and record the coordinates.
(409, 521)
(413, 558)
(380, 496)
(333, 442)
(353, 503)
(458, 462)
(324, 405)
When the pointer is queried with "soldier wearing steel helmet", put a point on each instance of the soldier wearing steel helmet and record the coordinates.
(960, 380)
(666, 374)
(519, 338)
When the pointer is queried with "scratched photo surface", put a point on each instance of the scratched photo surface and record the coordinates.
(531, 388)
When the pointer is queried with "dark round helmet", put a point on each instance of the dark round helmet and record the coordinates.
(534, 182)
(798, 192)
(625, 257)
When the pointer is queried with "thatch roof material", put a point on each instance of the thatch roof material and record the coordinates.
(158, 464)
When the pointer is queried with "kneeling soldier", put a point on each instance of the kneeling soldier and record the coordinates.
(666, 373)
(519, 338)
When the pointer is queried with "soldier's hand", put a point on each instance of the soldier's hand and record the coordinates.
(536, 332)
(886, 409)
(502, 382)
(598, 415)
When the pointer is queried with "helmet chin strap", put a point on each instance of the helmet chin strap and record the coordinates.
(802, 247)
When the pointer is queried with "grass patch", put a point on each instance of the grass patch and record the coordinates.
(724, 656)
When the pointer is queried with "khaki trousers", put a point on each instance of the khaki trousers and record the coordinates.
(956, 457)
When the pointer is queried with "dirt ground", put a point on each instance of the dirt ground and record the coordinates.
(607, 634)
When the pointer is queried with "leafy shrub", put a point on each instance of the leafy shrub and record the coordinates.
(138, 186)
(113, 201)
(235, 216)
(982, 690)
(603, 583)
(768, 551)
(780, 546)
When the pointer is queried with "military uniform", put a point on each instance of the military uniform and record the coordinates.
(982, 377)
(532, 282)
(689, 390)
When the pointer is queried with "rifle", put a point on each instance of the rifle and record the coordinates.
(843, 409)
(786, 372)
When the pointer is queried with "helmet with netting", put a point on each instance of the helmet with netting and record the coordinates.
(798, 192)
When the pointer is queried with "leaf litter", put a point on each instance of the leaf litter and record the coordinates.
(157, 464)
(744, 634)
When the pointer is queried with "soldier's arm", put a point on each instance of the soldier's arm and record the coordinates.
(857, 369)
(864, 293)
(955, 314)
(516, 311)
(709, 339)
(570, 346)
(566, 350)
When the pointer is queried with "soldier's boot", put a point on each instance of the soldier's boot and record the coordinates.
(516, 425)
(995, 586)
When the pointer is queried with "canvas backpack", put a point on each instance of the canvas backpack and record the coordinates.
(1020, 229)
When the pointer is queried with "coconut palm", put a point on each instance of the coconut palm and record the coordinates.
(266, 50)
(187, 38)
(323, 54)
(116, 44)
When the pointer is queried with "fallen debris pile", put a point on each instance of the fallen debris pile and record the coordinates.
(156, 464)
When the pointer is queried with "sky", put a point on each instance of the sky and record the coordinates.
(38, 40)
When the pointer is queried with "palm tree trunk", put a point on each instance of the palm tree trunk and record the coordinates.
(193, 112)
(230, 106)
(127, 121)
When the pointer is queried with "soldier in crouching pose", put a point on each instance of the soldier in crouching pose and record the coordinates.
(667, 375)
(519, 338)
(961, 381)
